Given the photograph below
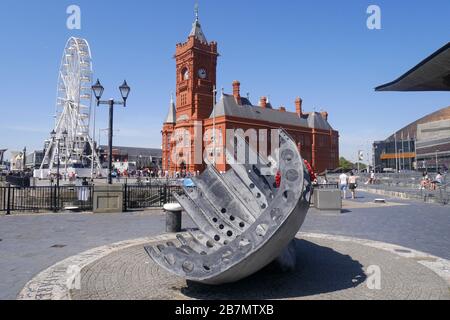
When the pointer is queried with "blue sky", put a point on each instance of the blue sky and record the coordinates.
(321, 51)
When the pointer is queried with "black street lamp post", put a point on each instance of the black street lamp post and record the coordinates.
(58, 147)
(98, 91)
(24, 160)
(437, 162)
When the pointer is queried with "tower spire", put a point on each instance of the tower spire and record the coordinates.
(171, 116)
(197, 31)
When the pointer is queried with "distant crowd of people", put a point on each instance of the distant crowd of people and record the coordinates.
(155, 174)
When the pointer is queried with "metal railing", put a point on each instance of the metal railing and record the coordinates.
(137, 196)
(80, 198)
(440, 193)
(47, 198)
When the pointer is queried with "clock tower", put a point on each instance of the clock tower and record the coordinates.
(196, 63)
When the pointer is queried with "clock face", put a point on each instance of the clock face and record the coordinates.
(202, 73)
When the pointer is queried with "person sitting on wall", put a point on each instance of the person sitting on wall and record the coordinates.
(425, 183)
(438, 180)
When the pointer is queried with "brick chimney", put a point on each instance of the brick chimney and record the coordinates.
(282, 109)
(237, 91)
(324, 115)
(263, 102)
(298, 106)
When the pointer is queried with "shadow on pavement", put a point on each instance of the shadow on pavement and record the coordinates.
(319, 270)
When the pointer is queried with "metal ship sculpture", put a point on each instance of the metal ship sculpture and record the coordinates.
(245, 220)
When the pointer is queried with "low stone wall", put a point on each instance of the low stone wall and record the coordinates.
(405, 195)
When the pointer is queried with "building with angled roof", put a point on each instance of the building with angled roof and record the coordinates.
(429, 135)
(421, 145)
(198, 109)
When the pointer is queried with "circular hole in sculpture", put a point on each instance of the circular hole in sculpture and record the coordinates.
(215, 220)
(258, 195)
(241, 224)
(263, 206)
(252, 186)
(217, 238)
(223, 210)
(188, 266)
(209, 244)
(207, 268)
(221, 227)
(292, 175)
(287, 155)
(232, 218)
(230, 233)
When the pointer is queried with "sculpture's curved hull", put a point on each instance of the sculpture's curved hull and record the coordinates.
(245, 222)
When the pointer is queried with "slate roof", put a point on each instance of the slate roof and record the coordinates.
(198, 32)
(227, 106)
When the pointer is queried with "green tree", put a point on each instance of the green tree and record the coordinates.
(345, 164)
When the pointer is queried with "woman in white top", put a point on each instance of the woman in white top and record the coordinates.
(343, 181)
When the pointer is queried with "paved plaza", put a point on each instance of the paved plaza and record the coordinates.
(326, 269)
(33, 243)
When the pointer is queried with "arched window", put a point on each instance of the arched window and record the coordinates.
(184, 74)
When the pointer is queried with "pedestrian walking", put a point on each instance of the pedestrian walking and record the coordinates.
(353, 184)
(343, 185)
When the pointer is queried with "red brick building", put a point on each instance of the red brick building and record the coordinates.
(196, 111)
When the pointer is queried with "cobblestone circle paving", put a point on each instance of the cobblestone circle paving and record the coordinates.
(326, 269)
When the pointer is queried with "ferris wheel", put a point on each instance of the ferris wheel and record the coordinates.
(71, 144)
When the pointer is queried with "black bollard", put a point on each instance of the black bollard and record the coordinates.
(173, 221)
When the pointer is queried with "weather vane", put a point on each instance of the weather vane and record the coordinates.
(196, 10)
